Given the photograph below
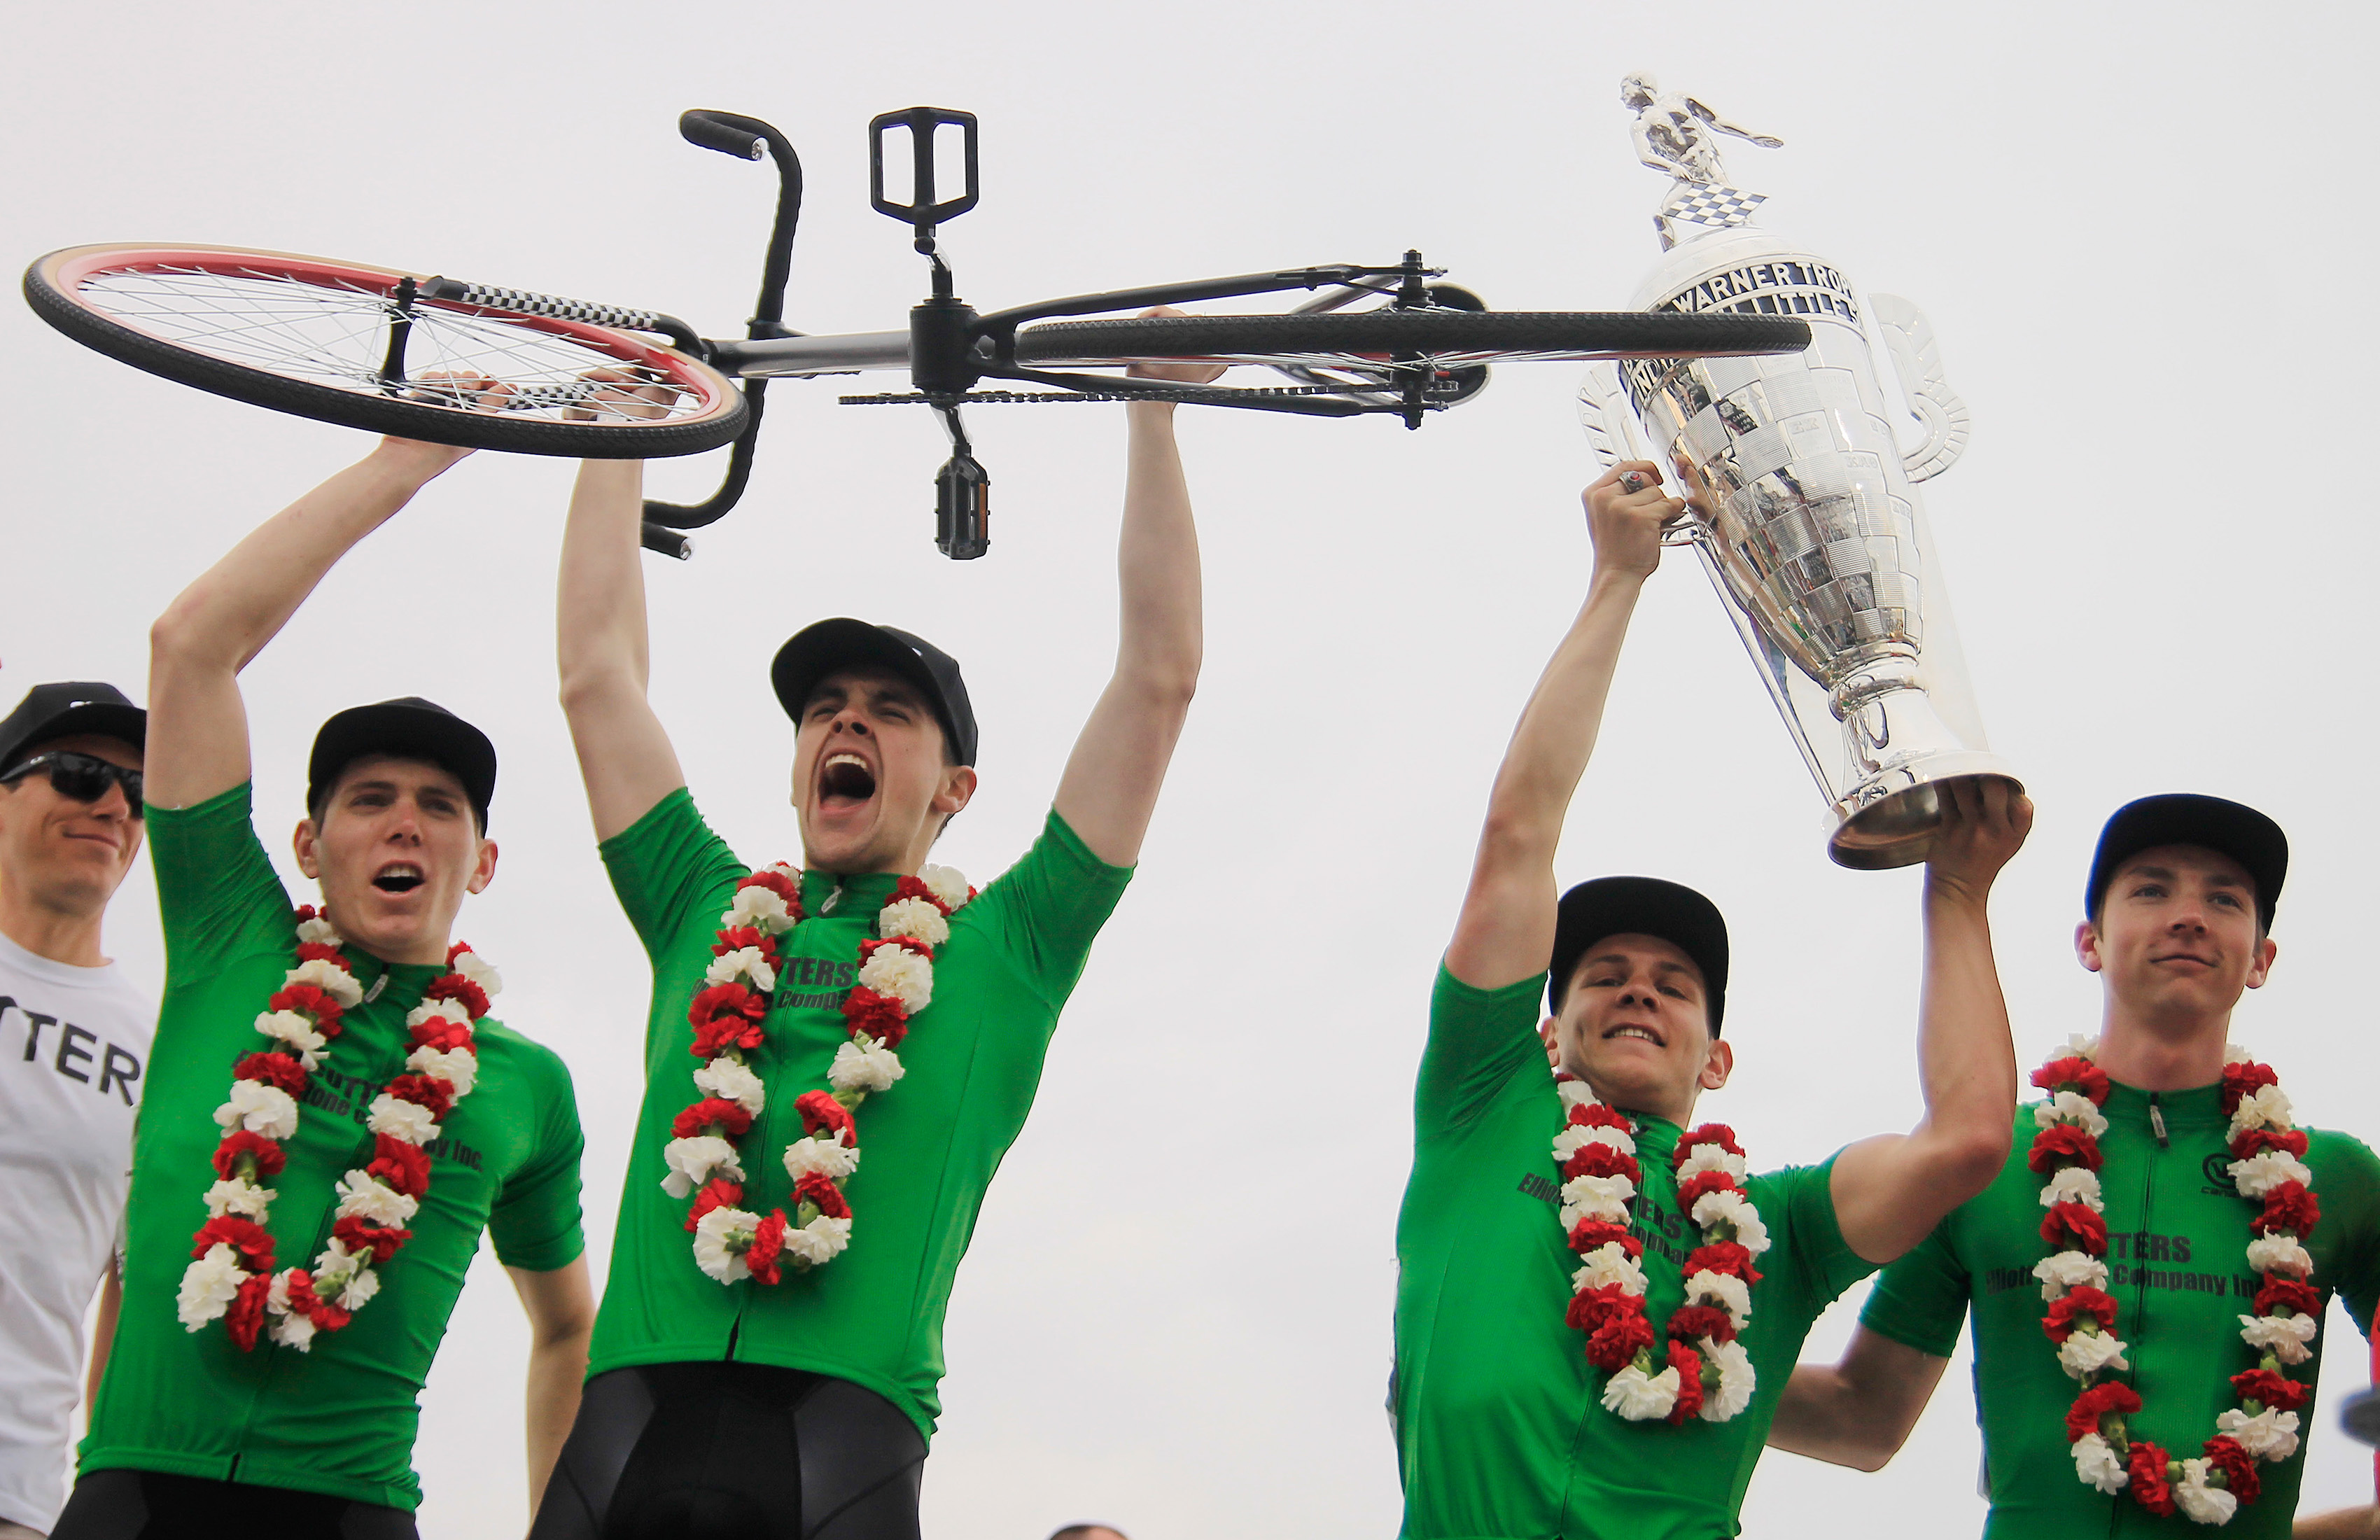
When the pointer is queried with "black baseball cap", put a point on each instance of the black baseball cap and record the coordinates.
(2188, 818)
(1644, 906)
(407, 728)
(64, 709)
(817, 650)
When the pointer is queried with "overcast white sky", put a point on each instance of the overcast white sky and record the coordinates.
(2132, 227)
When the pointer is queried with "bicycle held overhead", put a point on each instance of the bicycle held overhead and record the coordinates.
(492, 367)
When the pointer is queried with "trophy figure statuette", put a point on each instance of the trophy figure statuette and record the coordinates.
(1800, 500)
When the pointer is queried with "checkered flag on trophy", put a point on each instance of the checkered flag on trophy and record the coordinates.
(1712, 203)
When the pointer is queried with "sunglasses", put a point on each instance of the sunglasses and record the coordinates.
(83, 777)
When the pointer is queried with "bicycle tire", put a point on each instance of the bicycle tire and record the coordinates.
(1447, 339)
(285, 332)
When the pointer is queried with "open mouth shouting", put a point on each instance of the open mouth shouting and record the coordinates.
(845, 782)
(398, 878)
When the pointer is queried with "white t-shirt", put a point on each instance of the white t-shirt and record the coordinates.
(73, 1043)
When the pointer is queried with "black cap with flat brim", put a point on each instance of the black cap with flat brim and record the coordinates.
(1640, 906)
(817, 651)
(2188, 819)
(407, 728)
(65, 711)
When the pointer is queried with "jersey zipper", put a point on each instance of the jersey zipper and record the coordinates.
(2139, 1274)
(2156, 1122)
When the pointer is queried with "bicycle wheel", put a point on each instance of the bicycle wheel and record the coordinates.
(1440, 339)
(314, 337)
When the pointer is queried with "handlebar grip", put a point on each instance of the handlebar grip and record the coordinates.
(704, 129)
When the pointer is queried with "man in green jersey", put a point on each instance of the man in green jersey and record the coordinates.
(766, 1357)
(2179, 908)
(246, 1413)
(1505, 1428)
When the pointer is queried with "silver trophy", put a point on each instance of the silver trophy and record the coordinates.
(1801, 500)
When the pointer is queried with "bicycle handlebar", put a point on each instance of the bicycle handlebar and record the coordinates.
(720, 131)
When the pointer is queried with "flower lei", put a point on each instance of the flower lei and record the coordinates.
(2268, 1166)
(896, 981)
(233, 1277)
(1706, 1372)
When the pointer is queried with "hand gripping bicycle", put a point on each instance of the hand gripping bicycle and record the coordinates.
(488, 367)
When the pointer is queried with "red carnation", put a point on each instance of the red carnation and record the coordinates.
(779, 884)
(1692, 1190)
(1587, 1234)
(2239, 1080)
(1722, 1256)
(2289, 1208)
(768, 1241)
(735, 938)
(441, 1033)
(1689, 1321)
(399, 1165)
(1595, 1114)
(820, 1110)
(2083, 1302)
(817, 1188)
(246, 1316)
(1623, 1335)
(906, 943)
(1589, 1308)
(240, 1142)
(2239, 1467)
(881, 1016)
(461, 990)
(1689, 1364)
(2147, 1466)
(360, 1237)
(244, 1236)
(2073, 1072)
(306, 999)
(2089, 1229)
(717, 1193)
(712, 1114)
(2060, 1145)
(273, 1068)
(2292, 1141)
(425, 1091)
(2278, 1392)
(715, 1038)
(730, 1001)
(1600, 1160)
(322, 952)
(910, 887)
(303, 1301)
(1708, 1134)
(2113, 1398)
(2288, 1292)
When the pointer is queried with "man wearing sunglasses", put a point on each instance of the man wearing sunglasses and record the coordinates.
(74, 1040)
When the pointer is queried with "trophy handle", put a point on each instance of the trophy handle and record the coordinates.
(1917, 359)
(1604, 412)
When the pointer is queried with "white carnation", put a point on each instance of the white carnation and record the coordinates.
(2269, 1435)
(2069, 1269)
(319, 930)
(1607, 1264)
(1574, 1093)
(2278, 1254)
(821, 1240)
(944, 883)
(761, 908)
(343, 1277)
(244, 1199)
(914, 917)
(328, 977)
(407, 1120)
(730, 1081)
(2234, 1054)
(2285, 1337)
(290, 1330)
(2097, 1464)
(2266, 1170)
(2265, 1107)
(484, 975)
(694, 1161)
(2073, 1184)
(2081, 1047)
(1736, 1382)
(362, 1196)
(208, 1285)
(830, 1157)
(438, 1010)
(259, 1109)
(1640, 1397)
(1735, 1210)
(1577, 1136)
(1711, 1157)
(743, 963)
(2203, 1504)
(1595, 1198)
(290, 1028)
(458, 1067)
(712, 1234)
(1724, 1290)
(864, 1064)
(2071, 1108)
(900, 973)
(2085, 1353)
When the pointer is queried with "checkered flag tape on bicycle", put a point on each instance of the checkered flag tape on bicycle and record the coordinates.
(1711, 203)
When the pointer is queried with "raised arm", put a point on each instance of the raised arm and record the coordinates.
(1109, 788)
(624, 755)
(197, 725)
(1857, 1413)
(1765, 141)
(1890, 1190)
(1506, 932)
